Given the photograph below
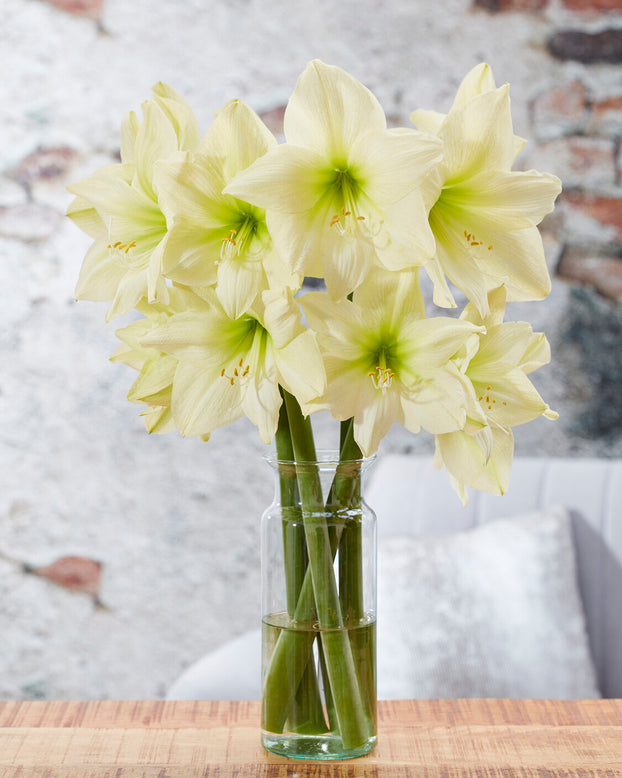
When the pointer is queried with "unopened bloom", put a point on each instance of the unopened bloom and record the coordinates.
(502, 397)
(118, 206)
(341, 195)
(214, 238)
(483, 214)
(386, 362)
(228, 368)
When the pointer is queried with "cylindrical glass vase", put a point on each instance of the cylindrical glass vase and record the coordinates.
(318, 559)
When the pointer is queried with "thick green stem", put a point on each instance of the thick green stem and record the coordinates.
(354, 724)
(306, 714)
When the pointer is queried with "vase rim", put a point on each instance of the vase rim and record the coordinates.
(325, 457)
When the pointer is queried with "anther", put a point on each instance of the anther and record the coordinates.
(237, 372)
(381, 377)
(124, 247)
(473, 241)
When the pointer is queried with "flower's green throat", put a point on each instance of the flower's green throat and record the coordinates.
(237, 242)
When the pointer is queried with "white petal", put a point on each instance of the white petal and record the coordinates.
(391, 165)
(378, 411)
(329, 109)
(202, 400)
(477, 81)
(288, 179)
(479, 135)
(237, 137)
(156, 139)
(239, 282)
(465, 460)
(281, 316)
(301, 370)
(506, 200)
(100, 274)
(427, 121)
(179, 114)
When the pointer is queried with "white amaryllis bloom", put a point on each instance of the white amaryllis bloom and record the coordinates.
(386, 362)
(231, 367)
(154, 384)
(502, 396)
(118, 207)
(483, 214)
(214, 238)
(342, 194)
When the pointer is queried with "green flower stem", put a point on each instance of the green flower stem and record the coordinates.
(293, 531)
(351, 579)
(306, 714)
(354, 725)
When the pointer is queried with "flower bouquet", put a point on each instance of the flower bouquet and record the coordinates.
(209, 238)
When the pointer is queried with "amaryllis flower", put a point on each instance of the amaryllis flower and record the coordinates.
(228, 368)
(214, 238)
(118, 207)
(483, 214)
(342, 194)
(502, 397)
(156, 370)
(386, 362)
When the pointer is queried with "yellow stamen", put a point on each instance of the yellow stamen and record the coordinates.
(473, 241)
(124, 247)
(381, 377)
(237, 372)
(237, 241)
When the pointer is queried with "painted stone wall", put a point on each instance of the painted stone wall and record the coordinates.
(125, 557)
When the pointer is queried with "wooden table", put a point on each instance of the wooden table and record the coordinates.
(484, 738)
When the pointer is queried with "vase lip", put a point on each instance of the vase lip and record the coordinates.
(325, 457)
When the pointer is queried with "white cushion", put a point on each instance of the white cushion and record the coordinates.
(489, 612)
(231, 672)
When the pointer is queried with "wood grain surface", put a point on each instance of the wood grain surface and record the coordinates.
(478, 738)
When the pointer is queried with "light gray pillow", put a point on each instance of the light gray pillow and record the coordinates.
(491, 612)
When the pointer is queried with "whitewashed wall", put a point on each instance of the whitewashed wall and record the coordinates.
(174, 523)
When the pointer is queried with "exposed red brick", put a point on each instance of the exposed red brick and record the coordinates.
(593, 6)
(561, 108)
(73, 572)
(579, 161)
(602, 273)
(90, 8)
(592, 160)
(606, 210)
(606, 117)
(45, 163)
(511, 5)
(611, 104)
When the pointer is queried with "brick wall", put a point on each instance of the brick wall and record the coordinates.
(576, 124)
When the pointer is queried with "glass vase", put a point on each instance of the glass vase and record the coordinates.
(318, 554)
